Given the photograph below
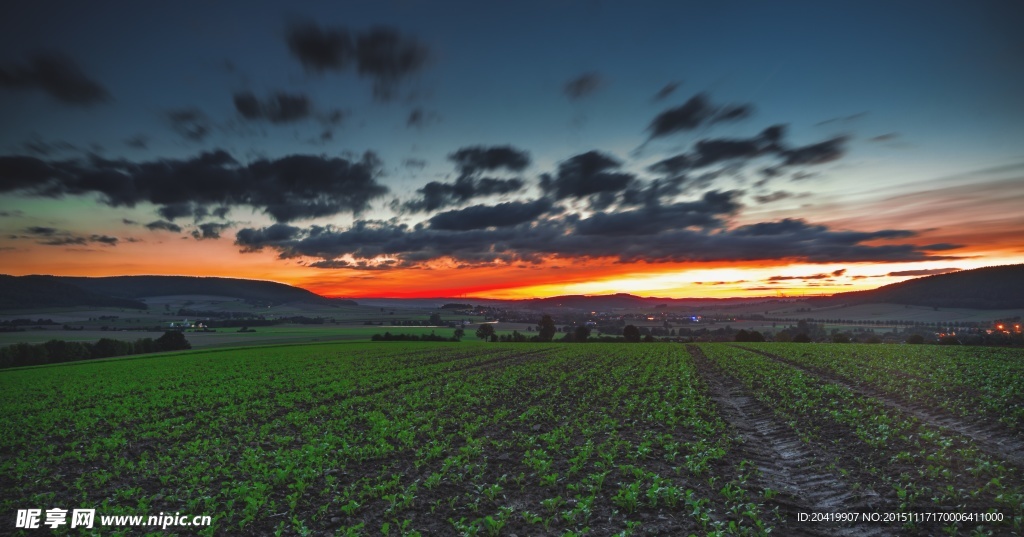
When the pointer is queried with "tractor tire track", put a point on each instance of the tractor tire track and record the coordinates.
(992, 438)
(786, 463)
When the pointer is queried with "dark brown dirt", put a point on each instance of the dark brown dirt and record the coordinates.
(786, 463)
(988, 435)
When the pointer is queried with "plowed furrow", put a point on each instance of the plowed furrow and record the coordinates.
(786, 463)
(990, 437)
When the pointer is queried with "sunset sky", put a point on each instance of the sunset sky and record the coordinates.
(513, 149)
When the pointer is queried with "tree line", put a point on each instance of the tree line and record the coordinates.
(58, 351)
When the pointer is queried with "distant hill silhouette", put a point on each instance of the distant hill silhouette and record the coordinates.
(625, 301)
(125, 291)
(24, 292)
(984, 288)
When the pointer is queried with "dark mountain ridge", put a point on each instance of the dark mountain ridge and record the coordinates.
(26, 292)
(20, 292)
(999, 287)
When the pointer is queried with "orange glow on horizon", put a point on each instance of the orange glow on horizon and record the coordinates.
(550, 277)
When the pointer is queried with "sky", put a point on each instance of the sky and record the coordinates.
(513, 149)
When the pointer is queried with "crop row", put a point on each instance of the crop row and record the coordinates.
(985, 381)
(393, 439)
(916, 467)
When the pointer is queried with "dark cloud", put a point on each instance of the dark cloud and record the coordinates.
(485, 216)
(11, 214)
(128, 222)
(65, 241)
(687, 117)
(280, 107)
(164, 226)
(672, 165)
(419, 118)
(709, 152)
(470, 160)
(195, 210)
(209, 230)
(652, 193)
(733, 112)
(330, 264)
(302, 186)
(436, 195)
(774, 196)
(416, 118)
(254, 239)
(20, 172)
(176, 210)
(387, 57)
(822, 276)
(583, 85)
(288, 188)
(56, 75)
(887, 137)
(373, 241)
(382, 54)
(585, 174)
(50, 236)
(190, 123)
(666, 90)
(654, 219)
(841, 119)
(819, 153)
(923, 272)
(942, 246)
(736, 153)
(104, 239)
(321, 49)
(42, 231)
(838, 273)
(800, 176)
(696, 112)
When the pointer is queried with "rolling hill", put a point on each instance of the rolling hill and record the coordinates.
(999, 287)
(21, 292)
(26, 292)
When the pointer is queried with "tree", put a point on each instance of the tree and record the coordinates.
(801, 338)
(459, 333)
(546, 328)
(486, 331)
(581, 334)
(752, 337)
(435, 319)
(915, 339)
(631, 333)
(173, 341)
(840, 337)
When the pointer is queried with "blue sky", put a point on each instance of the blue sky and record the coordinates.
(910, 92)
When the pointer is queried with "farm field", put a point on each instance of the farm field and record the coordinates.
(352, 438)
(228, 337)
